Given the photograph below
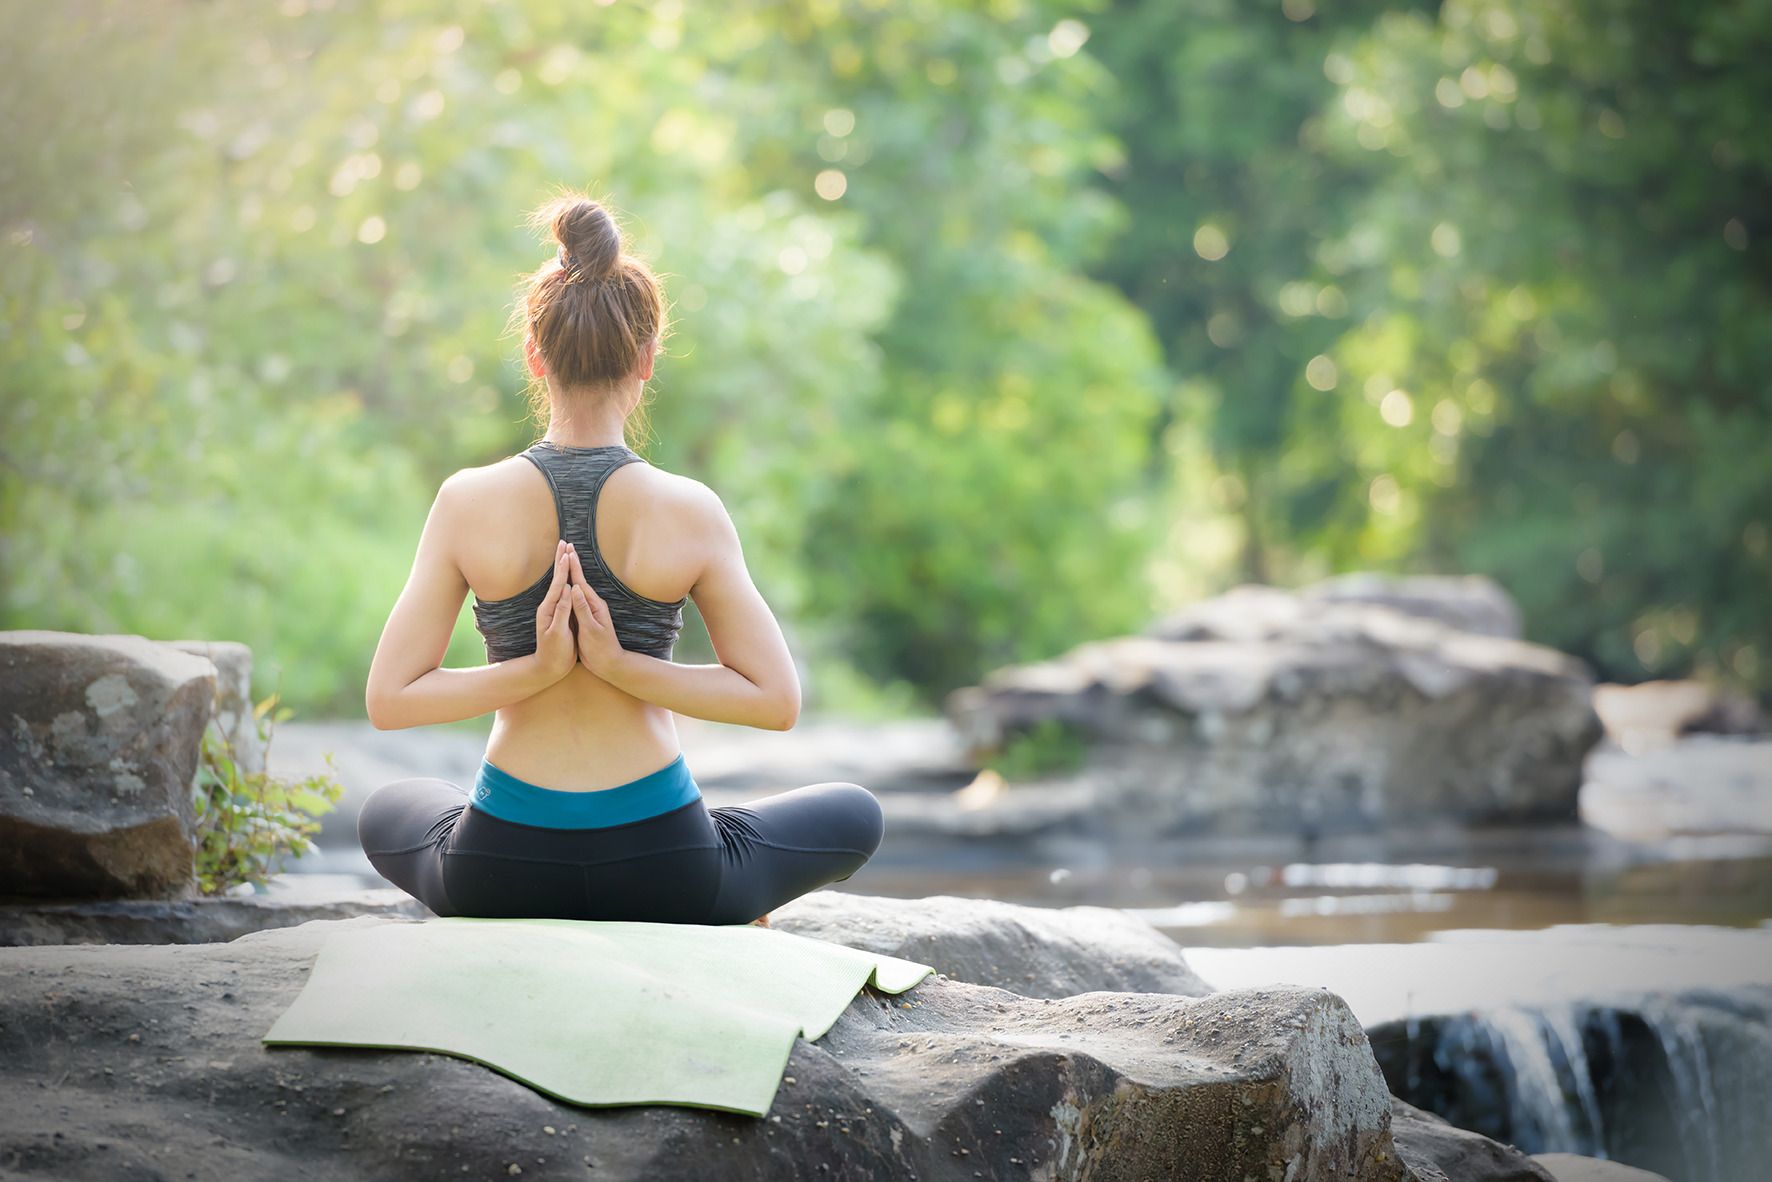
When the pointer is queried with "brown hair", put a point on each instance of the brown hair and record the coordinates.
(593, 309)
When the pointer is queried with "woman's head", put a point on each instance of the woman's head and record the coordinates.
(596, 314)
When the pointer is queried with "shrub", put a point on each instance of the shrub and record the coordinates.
(1049, 747)
(249, 822)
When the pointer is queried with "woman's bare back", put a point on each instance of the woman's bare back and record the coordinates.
(580, 733)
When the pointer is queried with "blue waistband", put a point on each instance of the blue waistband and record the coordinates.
(506, 797)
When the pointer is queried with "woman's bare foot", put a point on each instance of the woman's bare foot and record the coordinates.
(762, 922)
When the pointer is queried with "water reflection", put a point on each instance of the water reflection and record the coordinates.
(1723, 882)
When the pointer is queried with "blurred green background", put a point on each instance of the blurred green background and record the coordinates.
(998, 326)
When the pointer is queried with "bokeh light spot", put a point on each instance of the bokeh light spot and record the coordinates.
(830, 184)
(1397, 409)
(1384, 495)
(1067, 37)
(1210, 242)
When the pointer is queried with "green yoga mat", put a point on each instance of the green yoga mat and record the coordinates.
(590, 1012)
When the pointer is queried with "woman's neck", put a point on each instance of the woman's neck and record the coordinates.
(586, 422)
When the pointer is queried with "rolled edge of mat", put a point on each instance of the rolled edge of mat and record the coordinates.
(892, 975)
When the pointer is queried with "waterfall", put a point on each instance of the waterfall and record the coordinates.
(1682, 1044)
(1649, 1045)
(1544, 1076)
(1680, 1084)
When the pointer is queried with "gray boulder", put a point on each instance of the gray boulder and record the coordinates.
(1470, 603)
(1700, 784)
(142, 1061)
(101, 747)
(1441, 1152)
(1263, 712)
(1570, 1167)
(232, 712)
(1033, 951)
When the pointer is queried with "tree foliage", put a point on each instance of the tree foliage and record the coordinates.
(998, 326)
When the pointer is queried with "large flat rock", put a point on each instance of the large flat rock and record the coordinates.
(1470, 603)
(1033, 951)
(102, 736)
(1268, 712)
(145, 1062)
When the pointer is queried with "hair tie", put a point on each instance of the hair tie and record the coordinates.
(567, 262)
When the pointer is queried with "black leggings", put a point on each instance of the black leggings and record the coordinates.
(694, 864)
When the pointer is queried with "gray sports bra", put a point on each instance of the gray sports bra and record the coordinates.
(576, 476)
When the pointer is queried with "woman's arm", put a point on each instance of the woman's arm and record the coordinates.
(755, 683)
(407, 685)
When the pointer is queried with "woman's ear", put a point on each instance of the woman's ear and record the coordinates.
(646, 359)
(534, 354)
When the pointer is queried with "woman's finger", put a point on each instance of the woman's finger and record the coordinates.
(580, 582)
(558, 584)
(579, 579)
(586, 609)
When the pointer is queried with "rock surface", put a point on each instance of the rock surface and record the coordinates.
(232, 710)
(145, 1061)
(101, 747)
(1654, 713)
(1033, 951)
(187, 921)
(1440, 1152)
(1265, 711)
(1469, 603)
(1567, 1167)
(1694, 785)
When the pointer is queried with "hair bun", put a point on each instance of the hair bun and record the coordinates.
(590, 241)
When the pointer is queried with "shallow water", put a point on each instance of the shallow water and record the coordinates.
(1713, 881)
(1229, 902)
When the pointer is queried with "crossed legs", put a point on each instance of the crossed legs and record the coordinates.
(769, 851)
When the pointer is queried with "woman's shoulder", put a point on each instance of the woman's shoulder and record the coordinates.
(669, 499)
(465, 488)
(684, 493)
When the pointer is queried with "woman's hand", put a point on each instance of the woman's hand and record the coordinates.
(555, 651)
(598, 646)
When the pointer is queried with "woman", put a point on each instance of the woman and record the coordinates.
(584, 807)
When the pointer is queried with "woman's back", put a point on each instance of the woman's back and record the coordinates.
(626, 519)
(585, 807)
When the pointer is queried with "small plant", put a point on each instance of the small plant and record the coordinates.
(1048, 747)
(248, 822)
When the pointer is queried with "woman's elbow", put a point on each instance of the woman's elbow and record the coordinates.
(784, 711)
(381, 713)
